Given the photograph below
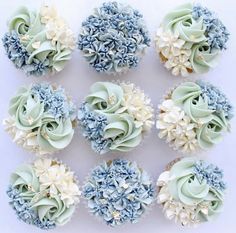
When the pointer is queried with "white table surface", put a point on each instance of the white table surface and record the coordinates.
(154, 153)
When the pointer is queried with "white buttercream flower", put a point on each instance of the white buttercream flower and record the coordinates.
(42, 165)
(180, 65)
(168, 44)
(56, 28)
(176, 127)
(138, 105)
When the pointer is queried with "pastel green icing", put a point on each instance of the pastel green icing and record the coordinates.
(105, 97)
(123, 131)
(28, 24)
(203, 58)
(26, 181)
(188, 96)
(53, 209)
(54, 134)
(181, 22)
(211, 133)
(186, 188)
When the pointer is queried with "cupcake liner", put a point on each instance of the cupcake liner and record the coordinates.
(100, 219)
(145, 133)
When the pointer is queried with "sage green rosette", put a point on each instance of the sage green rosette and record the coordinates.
(33, 36)
(54, 134)
(185, 187)
(210, 125)
(48, 133)
(25, 180)
(53, 209)
(181, 22)
(123, 132)
(105, 97)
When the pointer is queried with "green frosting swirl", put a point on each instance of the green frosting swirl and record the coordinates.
(181, 22)
(54, 134)
(185, 187)
(211, 132)
(203, 58)
(26, 181)
(27, 24)
(188, 96)
(105, 97)
(53, 209)
(123, 132)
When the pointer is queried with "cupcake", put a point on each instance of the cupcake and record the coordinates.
(115, 117)
(118, 192)
(190, 40)
(42, 118)
(43, 193)
(194, 116)
(191, 191)
(38, 42)
(113, 39)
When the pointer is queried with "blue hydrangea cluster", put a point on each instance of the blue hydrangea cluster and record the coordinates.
(217, 34)
(25, 212)
(93, 125)
(113, 39)
(211, 173)
(55, 100)
(17, 53)
(216, 99)
(118, 192)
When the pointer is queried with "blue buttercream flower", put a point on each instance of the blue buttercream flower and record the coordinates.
(217, 34)
(93, 125)
(24, 211)
(55, 100)
(216, 99)
(118, 191)
(211, 173)
(113, 38)
(17, 53)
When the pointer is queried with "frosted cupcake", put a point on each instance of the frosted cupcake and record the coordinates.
(113, 39)
(42, 119)
(191, 191)
(44, 193)
(115, 117)
(194, 116)
(190, 39)
(118, 192)
(38, 42)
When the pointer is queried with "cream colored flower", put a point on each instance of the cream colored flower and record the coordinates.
(48, 13)
(42, 165)
(179, 65)
(138, 105)
(176, 127)
(168, 44)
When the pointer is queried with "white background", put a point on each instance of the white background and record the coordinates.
(153, 154)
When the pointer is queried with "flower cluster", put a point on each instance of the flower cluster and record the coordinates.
(39, 43)
(114, 38)
(190, 39)
(191, 191)
(194, 116)
(211, 173)
(114, 117)
(44, 194)
(118, 191)
(216, 99)
(176, 127)
(41, 119)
